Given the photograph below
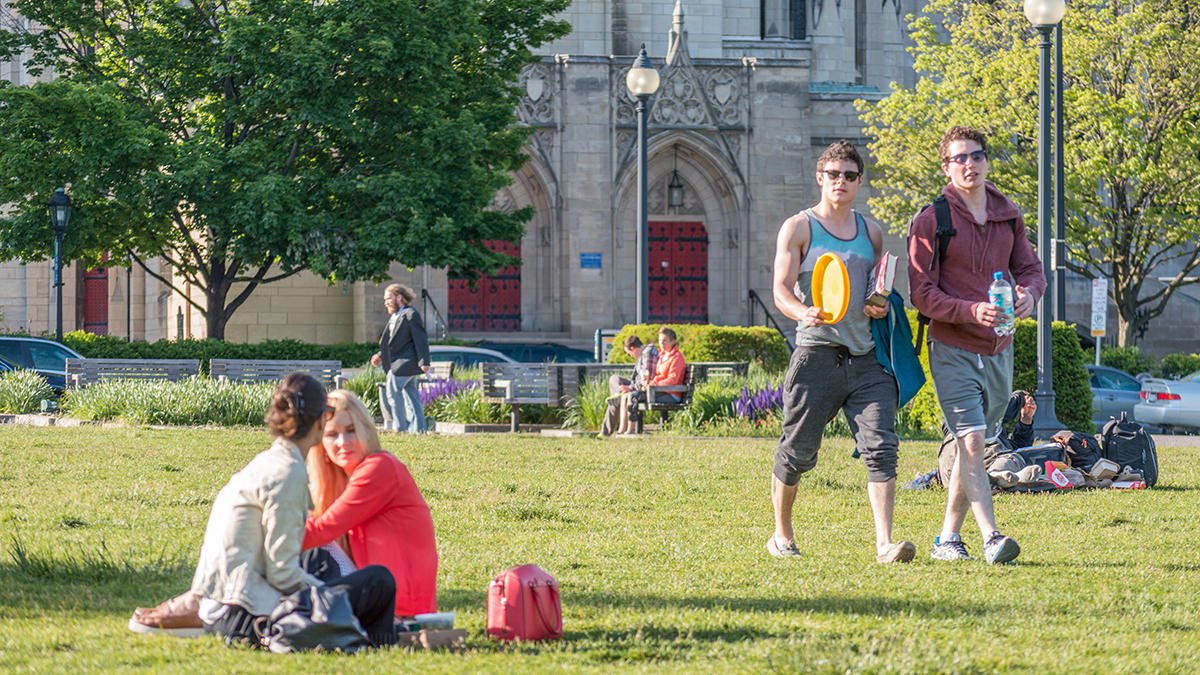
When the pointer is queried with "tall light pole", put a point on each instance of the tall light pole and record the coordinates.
(1060, 186)
(60, 216)
(1045, 15)
(642, 81)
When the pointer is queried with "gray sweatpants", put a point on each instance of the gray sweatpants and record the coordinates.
(821, 381)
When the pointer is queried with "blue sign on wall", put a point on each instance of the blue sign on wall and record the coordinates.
(591, 261)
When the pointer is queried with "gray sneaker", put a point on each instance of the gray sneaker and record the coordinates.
(1000, 549)
(949, 550)
(787, 550)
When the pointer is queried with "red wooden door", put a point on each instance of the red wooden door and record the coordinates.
(95, 300)
(494, 303)
(678, 274)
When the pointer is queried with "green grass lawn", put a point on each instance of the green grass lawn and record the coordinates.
(657, 545)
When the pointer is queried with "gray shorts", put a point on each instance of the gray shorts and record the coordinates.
(821, 381)
(972, 389)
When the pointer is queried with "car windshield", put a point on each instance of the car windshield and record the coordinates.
(1194, 377)
(1111, 379)
(10, 350)
(48, 356)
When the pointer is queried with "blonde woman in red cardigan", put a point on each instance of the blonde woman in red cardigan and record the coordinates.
(366, 500)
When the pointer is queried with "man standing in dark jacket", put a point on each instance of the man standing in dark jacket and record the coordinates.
(404, 356)
(971, 364)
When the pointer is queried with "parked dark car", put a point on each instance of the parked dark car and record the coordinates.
(47, 357)
(540, 352)
(1113, 392)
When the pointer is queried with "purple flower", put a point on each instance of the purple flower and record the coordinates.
(759, 404)
(436, 389)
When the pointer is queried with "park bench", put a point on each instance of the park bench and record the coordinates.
(439, 371)
(273, 370)
(659, 399)
(517, 384)
(83, 372)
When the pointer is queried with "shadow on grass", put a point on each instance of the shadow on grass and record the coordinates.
(634, 604)
(87, 565)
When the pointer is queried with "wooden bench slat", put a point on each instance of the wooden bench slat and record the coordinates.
(82, 372)
(271, 370)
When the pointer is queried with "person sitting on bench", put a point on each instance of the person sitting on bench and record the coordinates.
(670, 371)
(645, 362)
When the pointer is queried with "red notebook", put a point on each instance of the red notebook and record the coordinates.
(882, 278)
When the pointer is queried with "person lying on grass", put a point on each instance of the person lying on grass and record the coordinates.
(251, 555)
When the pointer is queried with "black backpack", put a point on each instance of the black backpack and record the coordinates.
(1083, 451)
(1126, 442)
(945, 230)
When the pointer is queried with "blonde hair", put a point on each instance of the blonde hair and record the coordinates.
(326, 480)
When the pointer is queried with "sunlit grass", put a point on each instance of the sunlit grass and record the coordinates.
(657, 544)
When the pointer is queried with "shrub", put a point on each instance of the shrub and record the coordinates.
(1072, 391)
(586, 411)
(700, 342)
(366, 386)
(1175, 366)
(468, 407)
(22, 391)
(106, 346)
(1128, 359)
(197, 400)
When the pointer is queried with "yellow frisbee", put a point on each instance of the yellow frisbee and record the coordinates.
(831, 287)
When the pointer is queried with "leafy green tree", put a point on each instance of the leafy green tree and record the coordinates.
(1132, 158)
(240, 142)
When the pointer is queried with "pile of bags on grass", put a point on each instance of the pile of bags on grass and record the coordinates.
(1122, 456)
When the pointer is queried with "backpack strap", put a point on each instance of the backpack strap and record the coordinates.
(945, 230)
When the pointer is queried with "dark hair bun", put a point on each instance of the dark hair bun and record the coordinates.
(297, 404)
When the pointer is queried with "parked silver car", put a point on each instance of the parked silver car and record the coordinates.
(1113, 392)
(1173, 405)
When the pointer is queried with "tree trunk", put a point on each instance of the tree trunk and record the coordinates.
(214, 314)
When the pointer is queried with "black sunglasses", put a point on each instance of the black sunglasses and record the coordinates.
(964, 157)
(851, 176)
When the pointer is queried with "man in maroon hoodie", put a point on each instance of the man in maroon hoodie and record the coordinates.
(970, 363)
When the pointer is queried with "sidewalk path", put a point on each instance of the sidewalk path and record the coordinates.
(1176, 441)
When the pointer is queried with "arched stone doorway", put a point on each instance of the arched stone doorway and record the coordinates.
(520, 296)
(705, 280)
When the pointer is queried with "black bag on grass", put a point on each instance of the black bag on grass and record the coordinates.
(1083, 451)
(1038, 455)
(1127, 443)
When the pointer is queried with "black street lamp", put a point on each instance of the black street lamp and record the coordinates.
(60, 216)
(1045, 15)
(1060, 194)
(642, 81)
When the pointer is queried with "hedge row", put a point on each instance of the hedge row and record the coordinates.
(700, 342)
(105, 346)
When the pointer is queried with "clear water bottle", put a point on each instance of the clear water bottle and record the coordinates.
(1000, 294)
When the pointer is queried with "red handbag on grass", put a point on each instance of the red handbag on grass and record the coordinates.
(523, 604)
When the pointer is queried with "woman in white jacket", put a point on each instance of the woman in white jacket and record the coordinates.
(250, 557)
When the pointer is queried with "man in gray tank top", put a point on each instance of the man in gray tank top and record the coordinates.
(834, 365)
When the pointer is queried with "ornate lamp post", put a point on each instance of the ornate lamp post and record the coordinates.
(1045, 15)
(642, 81)
(60, 216)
